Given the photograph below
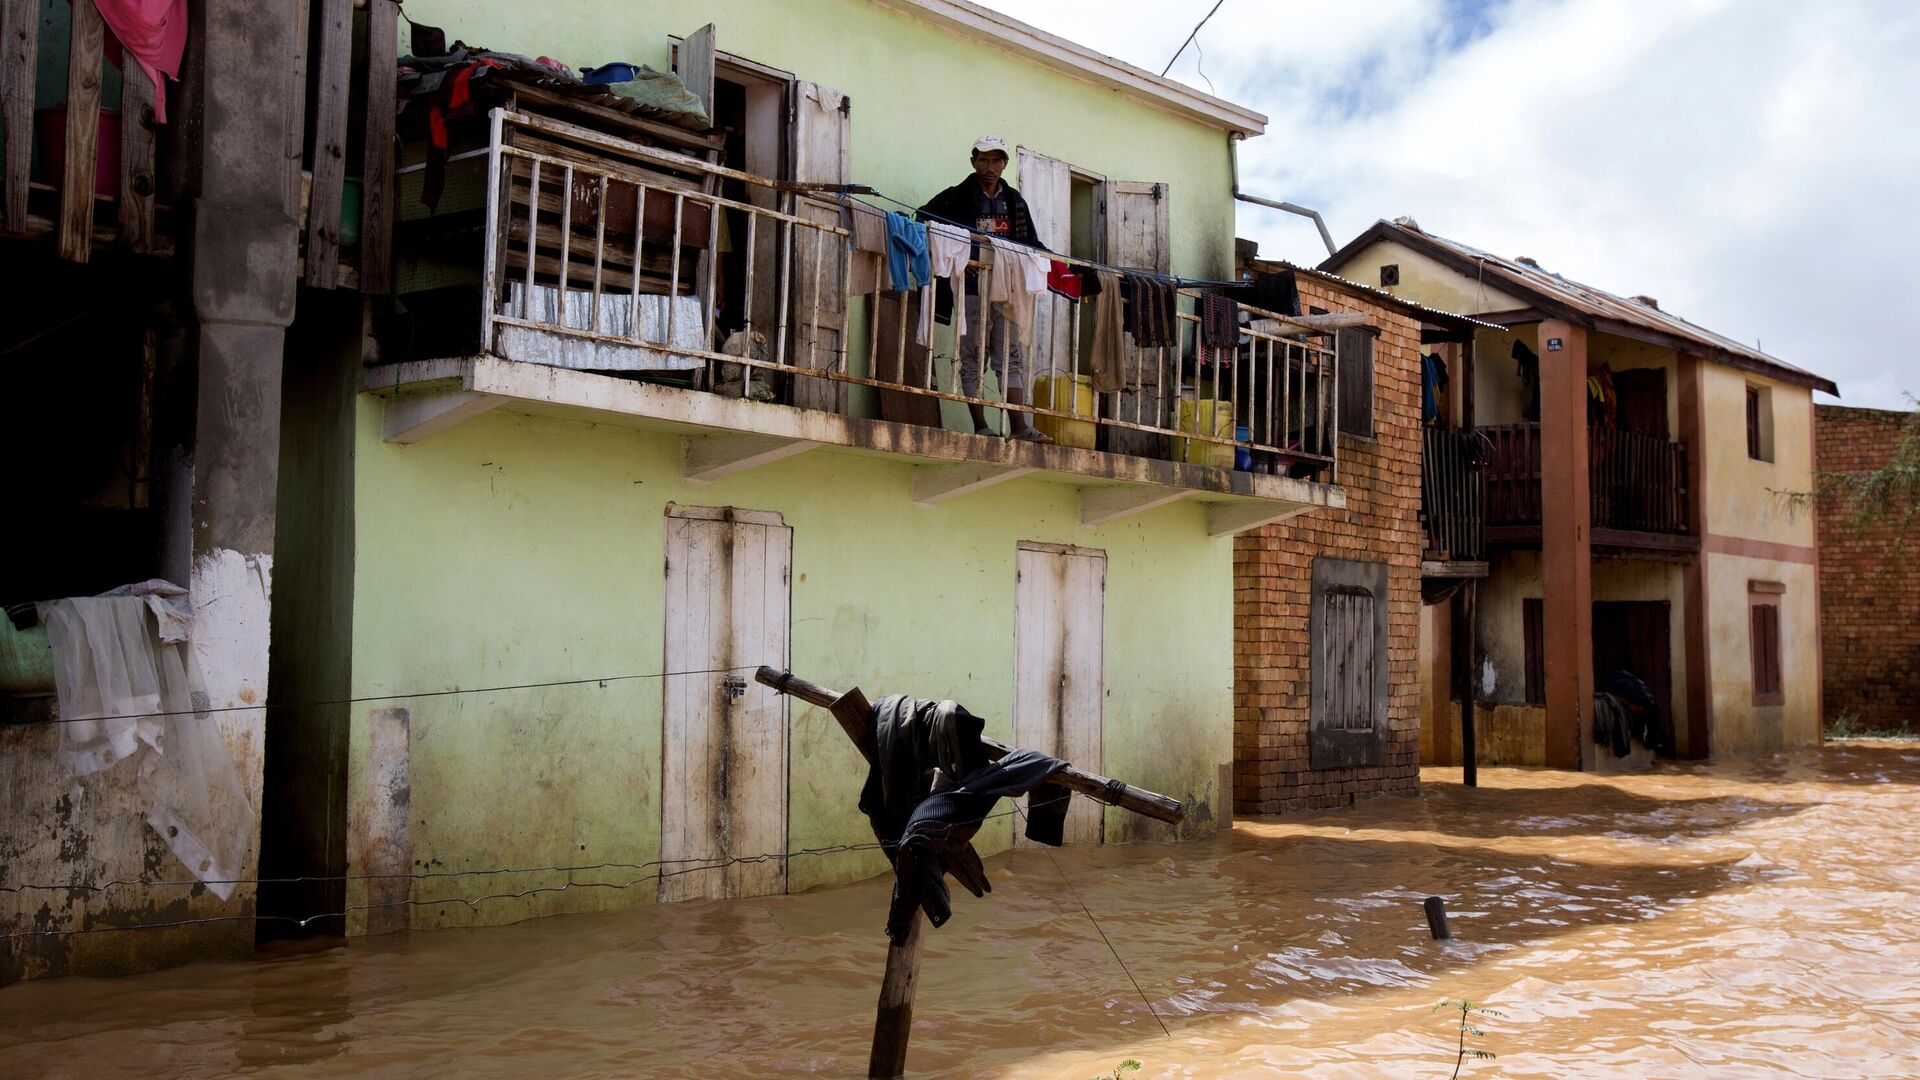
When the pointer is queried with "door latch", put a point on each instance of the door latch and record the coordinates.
(735, 686)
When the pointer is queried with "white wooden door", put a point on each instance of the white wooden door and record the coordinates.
(1059, 678)
(723, 777)
(822, 143)
(1047, 185)
(1137, 238)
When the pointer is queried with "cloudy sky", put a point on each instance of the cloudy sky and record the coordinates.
(1753, 164)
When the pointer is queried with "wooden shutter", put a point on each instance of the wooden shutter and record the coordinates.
(1349, 651)
(694, 62)
(1136, 237)
(1753, 423)
(822, 139)
(1356, 383)
(1642, 394)
(1765, 643)
(1533, 617)
(1047, 185)
(1348, 631)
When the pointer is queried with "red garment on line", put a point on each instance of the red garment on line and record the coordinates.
(155, 32)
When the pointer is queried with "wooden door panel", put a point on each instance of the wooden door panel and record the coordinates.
(1059, 667)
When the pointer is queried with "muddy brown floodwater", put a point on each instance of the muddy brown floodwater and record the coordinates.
(1745, 919)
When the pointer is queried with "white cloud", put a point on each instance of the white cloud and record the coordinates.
(1755, 164)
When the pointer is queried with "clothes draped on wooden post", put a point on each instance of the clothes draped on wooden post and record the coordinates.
(928, 789)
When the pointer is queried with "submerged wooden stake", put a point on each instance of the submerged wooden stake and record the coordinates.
(893, 1019)
(1437, 918)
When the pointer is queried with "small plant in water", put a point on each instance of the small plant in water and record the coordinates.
(1468, 1010)
(1119, 1070)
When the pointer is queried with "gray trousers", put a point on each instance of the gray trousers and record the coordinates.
(1003, 342)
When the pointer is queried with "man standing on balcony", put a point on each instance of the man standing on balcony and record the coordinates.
(987, 204)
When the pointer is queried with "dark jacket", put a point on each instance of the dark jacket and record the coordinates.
(959, 205)
(928, 834)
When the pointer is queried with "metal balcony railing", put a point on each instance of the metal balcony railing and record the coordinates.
(602, 253)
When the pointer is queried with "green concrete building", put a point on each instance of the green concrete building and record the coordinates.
(574, 507)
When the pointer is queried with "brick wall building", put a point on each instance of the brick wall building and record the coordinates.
(1280, 569)
(1869, 585)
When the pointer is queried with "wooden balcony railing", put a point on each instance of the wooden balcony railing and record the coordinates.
(1635, 482)
(1453, 493)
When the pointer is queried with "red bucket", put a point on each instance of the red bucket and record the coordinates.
(52, 124)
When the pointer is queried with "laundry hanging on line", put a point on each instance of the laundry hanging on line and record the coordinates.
(907, 260)
(1151, 311)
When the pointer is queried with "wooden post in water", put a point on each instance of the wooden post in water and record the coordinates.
(893, 1019)
(1467, 601)
(1437, 918)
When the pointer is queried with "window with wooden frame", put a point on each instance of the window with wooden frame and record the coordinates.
(1763, 640)
(1759, 423)
(1533, 621)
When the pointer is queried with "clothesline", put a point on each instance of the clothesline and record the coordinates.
(1068, 259)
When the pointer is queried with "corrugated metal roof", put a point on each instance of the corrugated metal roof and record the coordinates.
(1552, 289)
(1382, 295)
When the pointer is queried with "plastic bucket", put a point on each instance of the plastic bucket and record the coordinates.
(1066, 393)
(1212, 418)
(52, 122)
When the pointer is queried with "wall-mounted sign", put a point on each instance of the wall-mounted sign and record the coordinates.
(1553, 344)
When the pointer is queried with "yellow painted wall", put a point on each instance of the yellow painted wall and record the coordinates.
(1501, 676)
(1426, 280)
(1515, 577)
(1740, 726)
(1742, 497)
(1499, 397)
(513, 549)
(1621, 354)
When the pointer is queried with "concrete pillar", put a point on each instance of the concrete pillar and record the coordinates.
(1694, 731)
(1566, 561)
(241, 262)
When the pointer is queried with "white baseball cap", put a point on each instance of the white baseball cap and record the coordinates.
(987, 144)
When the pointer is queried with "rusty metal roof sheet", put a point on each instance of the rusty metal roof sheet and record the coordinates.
(1561, 295)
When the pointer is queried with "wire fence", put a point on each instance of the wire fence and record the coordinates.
(663, 869)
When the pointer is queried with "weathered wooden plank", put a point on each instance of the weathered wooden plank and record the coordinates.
(136, 158)
(19, 52)
(377, 164)
(333, 62)
(1094, 786)
(75, 240)
(696, 66)
(893, 1020)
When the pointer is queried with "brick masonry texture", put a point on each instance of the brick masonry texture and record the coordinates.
(1273, 584)
(1869, 587)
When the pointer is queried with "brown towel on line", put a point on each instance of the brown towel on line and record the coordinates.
(1219, 329)
(1150, 310)
(1108, 327)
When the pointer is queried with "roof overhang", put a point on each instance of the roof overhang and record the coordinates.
(1547, 306)
(1010, 34)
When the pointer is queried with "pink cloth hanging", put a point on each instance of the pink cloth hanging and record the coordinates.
(155, 32)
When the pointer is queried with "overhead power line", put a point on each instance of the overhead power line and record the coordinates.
(1190, 37)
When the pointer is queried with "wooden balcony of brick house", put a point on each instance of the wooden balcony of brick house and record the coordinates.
(1453, 503)
(1637, 486)
(630, 282)
(80, 170)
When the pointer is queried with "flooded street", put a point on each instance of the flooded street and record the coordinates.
(1749, 919)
